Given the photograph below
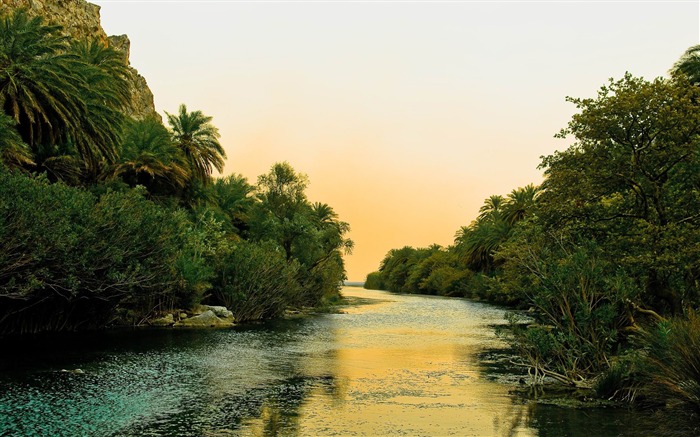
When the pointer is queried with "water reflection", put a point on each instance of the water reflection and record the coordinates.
(405, 365)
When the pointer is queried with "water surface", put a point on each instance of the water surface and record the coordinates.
(399, 365)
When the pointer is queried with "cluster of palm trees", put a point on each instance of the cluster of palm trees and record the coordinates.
(63, 104)
(464, 268)
(476, 244)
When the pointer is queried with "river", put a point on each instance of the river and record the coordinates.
(393, 365)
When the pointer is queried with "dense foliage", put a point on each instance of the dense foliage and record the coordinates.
(110, 220)
(605, 254)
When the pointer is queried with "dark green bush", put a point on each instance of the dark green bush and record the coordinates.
(255, 281)
(673, 363)
(68, 259)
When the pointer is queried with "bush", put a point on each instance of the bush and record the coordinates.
(673, 363)
(255, 281)
(579, 304)
(69, 260)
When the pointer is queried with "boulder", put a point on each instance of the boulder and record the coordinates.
(167, 320)
(220, 311)
(205, 320)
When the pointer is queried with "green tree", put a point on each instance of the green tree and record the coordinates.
(14, 153)
(374, 281)
(476, 244)
(520, 203)
(233, 199)
(282, 212)
(149, 157)
(256, 282)
(492, 207)
(39, 79)
(105, 92)
(55, 95)
(579, 301)
(199, 140)
(396, 268)
(688, 66)
(70, 260)
(631, 182)
(310, 234)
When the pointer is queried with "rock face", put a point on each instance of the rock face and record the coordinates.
(80, 20)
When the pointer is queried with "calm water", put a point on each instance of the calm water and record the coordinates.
(401, 365)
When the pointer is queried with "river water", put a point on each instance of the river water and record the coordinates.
(394, 365)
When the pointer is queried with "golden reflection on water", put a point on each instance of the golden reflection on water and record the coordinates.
(399, 379)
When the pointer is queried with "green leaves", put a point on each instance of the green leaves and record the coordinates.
(61, 94)
(630, 181)
(62, 247)
(149, 157)
(199, 141)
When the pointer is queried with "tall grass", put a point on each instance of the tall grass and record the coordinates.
(673, 363)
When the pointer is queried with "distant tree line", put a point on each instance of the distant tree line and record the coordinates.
(109, 220)
(605, 254)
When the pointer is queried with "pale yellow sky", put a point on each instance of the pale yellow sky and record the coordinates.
(405, 115)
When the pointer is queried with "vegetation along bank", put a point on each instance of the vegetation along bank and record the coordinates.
(109, 217)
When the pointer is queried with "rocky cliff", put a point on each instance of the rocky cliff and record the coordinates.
(81, 19)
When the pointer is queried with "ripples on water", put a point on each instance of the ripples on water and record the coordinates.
(404, 365)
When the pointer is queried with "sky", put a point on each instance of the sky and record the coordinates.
(404, 115)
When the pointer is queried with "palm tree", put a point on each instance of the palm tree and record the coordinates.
(233, 197)
(14, 153)
(476, 244)
(492, 206)
(332, 229)
(149, 157)
(60, 162)
(199, 140)
(688, 65)
(106, 94)
(520, 203)
(39, 79)
(111, 73)
(53, 94)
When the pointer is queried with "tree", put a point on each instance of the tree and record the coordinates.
(14, 153)
(631, 182)
(234, 201)
(55, 95)
(309, 234)
(688, 65)
(520, 203)
(38, 78)
(396, 267)
(149, 157)
(281, 214)
(106, 94)
(199, 140)
(491, 207)
(476, 244)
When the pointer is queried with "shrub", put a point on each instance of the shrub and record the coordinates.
(69, 260)
(255, 281)
(579, 306)
(673, 363)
